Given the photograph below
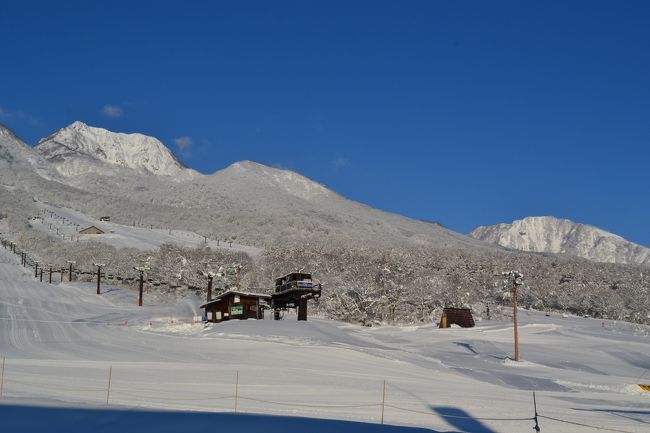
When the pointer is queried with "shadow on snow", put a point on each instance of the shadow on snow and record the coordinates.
(461, 420)
(36, 419)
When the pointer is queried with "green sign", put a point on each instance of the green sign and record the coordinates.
(237, 310)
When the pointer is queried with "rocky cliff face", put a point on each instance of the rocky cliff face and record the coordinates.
(80, 148)
(552, 235)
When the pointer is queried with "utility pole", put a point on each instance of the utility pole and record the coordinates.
(99, 276)
(141, 269)
(515, 278)
(70, 263)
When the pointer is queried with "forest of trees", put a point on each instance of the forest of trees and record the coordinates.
(369, 285)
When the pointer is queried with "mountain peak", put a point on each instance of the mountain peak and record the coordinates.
(290, 181)
(6, 131)
(78, 124)
(554, 235)
(78, 148)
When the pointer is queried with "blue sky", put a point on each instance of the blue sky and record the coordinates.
(463, 112)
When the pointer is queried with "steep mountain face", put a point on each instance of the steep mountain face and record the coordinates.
(553, 235)
(80, 148)
(18, 157)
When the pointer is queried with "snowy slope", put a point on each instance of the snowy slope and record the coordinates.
(134, 177)
(59, 349)
(553, 235)
(285, 180)
(64, 224)
(16, 155)
(80, 148)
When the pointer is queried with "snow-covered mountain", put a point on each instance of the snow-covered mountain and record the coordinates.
(286, 180)
(552, 235)
(79, 148)
(134, 178)
(15, 155)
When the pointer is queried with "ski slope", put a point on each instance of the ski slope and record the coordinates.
(65, 224)
(61, 340)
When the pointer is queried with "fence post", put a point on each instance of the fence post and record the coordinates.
(383, 401)
(108, 391)
(236, 391)
(2, 376)
(536, 428)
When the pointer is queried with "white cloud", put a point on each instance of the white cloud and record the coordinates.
(112, 111)
(183, 142)
(339, 163)
(7, 115)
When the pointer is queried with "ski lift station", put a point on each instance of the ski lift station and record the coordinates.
(291, 291)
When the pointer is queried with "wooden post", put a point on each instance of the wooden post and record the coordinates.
(41, 275)
(50, 274)
(35, 270)
(2, 376)
(237, 391)
(70, 273)
(99, 278)
(383, 401)
(536, 428)
(514, 315)
(108, 391)
(140, 291)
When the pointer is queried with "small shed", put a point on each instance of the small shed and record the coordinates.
(456, 316)
(105, 218)
(233, 304)
(92, 230)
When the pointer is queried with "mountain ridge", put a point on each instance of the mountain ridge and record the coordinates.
(548, 234)
(79, 148)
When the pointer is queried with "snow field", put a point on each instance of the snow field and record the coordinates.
(61, 340)
(123, 236)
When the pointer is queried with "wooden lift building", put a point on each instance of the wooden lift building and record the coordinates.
(233, 304)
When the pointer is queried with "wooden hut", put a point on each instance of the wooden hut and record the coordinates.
(232, 305)
(456, 316)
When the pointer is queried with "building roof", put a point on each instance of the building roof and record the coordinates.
(236, 292)
(90, 228)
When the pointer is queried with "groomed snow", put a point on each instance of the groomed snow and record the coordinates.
(60, 341)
